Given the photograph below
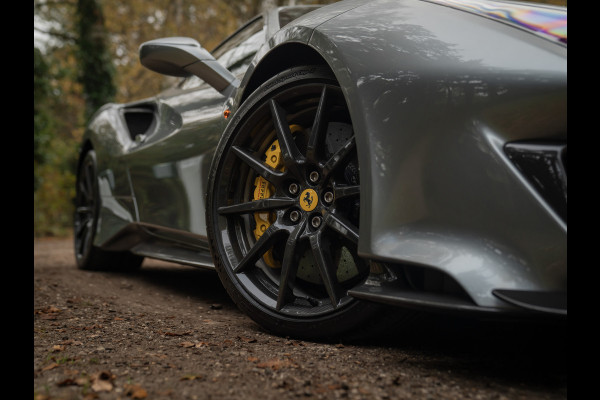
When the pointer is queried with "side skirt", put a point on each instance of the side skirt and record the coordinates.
(162, 244)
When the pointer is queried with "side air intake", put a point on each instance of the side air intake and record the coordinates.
(544, 165)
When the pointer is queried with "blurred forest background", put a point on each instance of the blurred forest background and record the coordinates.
(85, 55)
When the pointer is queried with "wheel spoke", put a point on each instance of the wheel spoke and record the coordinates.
(343, 191)
(343, 227)
(319, 127)
(270, 174)
(338, 158)
(325, 268)
(260, 248)
(83, 232)
(270, 203)
(89, 182)
(79, 228)
(83, 189)
(289, 266)
(289, 150)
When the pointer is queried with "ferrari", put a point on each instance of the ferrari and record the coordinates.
(346, 165)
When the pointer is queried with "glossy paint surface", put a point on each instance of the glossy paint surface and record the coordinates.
(432, 108)
(547, 21)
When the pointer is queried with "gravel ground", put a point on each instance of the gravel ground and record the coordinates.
(170, 332)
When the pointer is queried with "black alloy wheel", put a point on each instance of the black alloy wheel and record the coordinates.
(283, 207)
(85, 224)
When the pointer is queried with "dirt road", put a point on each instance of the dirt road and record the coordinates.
(170, 332)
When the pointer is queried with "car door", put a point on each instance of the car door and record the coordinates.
(170, 163)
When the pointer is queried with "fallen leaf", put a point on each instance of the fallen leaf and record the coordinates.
(49, 367)
(102, 386)
(252, 359)
(67, 382)
(135, 391)
(247, 340)
(73, 300)
(101, 381)
(57, 347)
(187, 344)
(82, 381)
(190, 377)
(71, 372)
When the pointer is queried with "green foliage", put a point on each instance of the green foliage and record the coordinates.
(53, 207)
(42, 119)
(95, 63)
(57, 121)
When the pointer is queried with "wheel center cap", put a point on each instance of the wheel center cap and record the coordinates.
(308, 200)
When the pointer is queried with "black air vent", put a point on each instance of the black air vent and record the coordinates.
(545, 167)
(139, 119)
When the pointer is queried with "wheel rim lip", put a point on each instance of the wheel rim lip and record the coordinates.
(235, 239)
(84, 240)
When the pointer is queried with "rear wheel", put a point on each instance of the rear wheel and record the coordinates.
(85, 223)
(283, 208)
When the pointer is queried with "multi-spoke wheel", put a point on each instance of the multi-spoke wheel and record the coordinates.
(283, 207)
(85, 221)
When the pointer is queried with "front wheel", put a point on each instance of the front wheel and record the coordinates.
(283, 208)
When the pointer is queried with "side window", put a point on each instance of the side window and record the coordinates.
(236, 52)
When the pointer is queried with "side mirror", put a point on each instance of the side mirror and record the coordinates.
(182, 56)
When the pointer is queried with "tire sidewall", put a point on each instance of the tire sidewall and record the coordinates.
(83, 260)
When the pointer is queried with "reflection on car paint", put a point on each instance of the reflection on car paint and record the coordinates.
(549, 22)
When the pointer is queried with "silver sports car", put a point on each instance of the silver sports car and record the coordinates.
(331, 162)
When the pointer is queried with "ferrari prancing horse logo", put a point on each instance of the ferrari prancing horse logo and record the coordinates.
(309, 200)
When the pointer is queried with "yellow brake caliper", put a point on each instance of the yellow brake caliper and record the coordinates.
(264, 190)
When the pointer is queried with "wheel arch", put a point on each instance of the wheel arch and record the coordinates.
(279, 59)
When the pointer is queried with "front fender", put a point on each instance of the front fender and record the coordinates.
(434, 94)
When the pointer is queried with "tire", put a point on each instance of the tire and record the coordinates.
(85, 224)
(282, 208)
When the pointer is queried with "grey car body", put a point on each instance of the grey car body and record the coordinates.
(461, 132)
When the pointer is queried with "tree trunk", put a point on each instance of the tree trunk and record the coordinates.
(95, 62)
